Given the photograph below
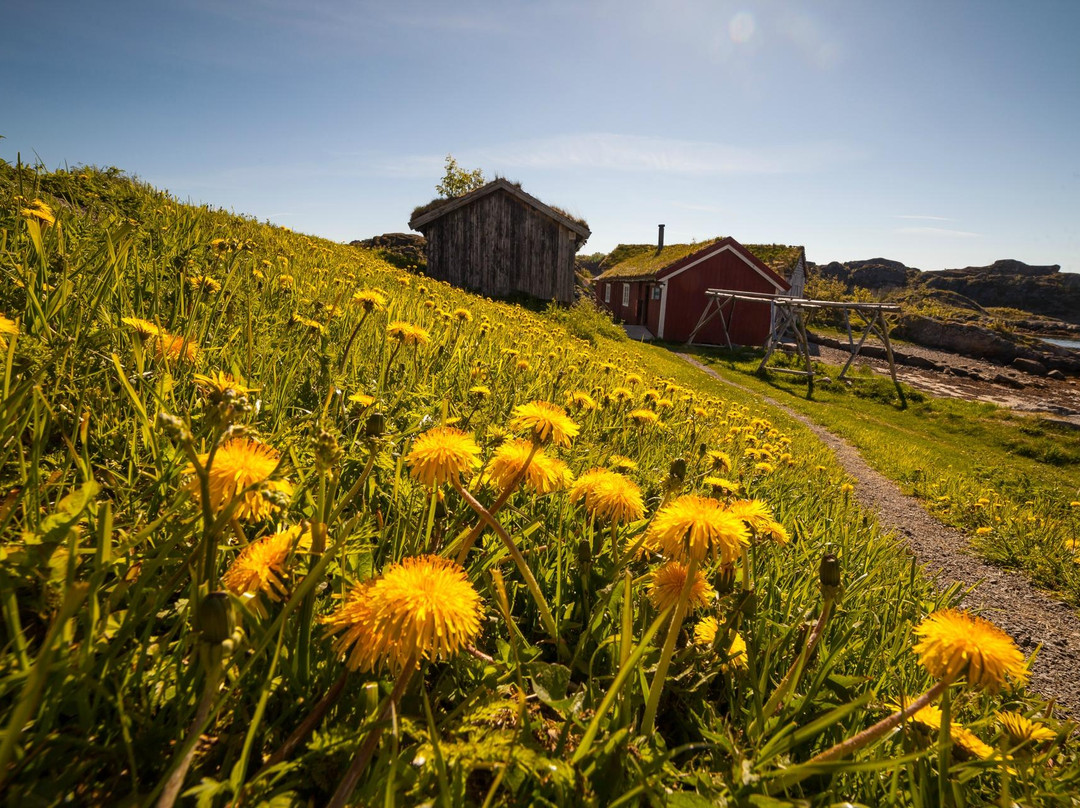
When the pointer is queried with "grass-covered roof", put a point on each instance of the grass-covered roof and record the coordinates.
(628, 261)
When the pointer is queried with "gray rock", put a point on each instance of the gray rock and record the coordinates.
(1031, 366)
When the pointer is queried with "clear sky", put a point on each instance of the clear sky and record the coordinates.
(941, 134)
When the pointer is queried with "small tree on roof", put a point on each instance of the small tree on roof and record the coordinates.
(458, 181)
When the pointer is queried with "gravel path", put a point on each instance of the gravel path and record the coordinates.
(1032, 617)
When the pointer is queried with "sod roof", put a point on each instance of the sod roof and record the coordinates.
(641, 261)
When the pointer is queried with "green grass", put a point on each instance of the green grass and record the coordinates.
(112, 678)
(954, 454)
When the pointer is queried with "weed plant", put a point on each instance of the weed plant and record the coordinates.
(210, 446)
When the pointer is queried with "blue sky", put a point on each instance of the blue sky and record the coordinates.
(941, 134)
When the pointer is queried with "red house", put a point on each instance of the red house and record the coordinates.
(663, 288)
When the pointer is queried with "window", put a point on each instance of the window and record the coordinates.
(656, 293)
(607, 292)
(626, 294)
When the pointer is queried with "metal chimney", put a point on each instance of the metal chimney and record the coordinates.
(660, 239)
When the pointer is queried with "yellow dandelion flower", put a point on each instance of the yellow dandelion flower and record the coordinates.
(523, 364)
(238, 464)
(260, 568)
(204, 282)
(633, 379)
(442, 454)
(1022, 730)
(580, 400)
(721, 485)
(758, 517)
(462, 315)
(609, 495)
(622, 395)
(8, 328)
(719, 461)
(307, 322)
(666, 584)
(698, 527)
(177, 349)
(930, 717)
(480, 391)
(644, 417)
(219, 383)
(363, 399)
(764, 468)
(407, 333)
(737, 654)
(664, 404)
(983, 531)
(544, 422)
(40, 211)
(622, 464)
(423, 607)
(847, 488)
(954, 643)
(705, 632)
(144, 328)
(219, 245)
(544, 474)
(286, 282)
(651, 395)
(370, 299)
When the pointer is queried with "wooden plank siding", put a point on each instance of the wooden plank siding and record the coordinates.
(499, 246)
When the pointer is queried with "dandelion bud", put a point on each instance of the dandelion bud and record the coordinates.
(214, 619)
(677, 470)
(376, 425)
(328, 453)
(173, 427)
(829, 574)
(584, 553)
(702, 450)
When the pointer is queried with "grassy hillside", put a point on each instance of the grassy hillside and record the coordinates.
(1011, 482)
(239, 467)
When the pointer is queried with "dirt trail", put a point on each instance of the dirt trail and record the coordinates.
(1004, 596)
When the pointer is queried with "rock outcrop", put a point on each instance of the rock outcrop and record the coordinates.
(404, 250)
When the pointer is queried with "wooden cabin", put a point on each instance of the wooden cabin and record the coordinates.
(662, 288)
(501, 242)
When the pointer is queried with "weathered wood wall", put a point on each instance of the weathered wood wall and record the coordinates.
(498, 246)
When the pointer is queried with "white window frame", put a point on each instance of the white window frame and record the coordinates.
(607, 292)
(625, 295)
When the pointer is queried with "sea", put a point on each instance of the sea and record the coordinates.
(1065, 343)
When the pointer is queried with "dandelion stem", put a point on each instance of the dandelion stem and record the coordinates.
(349, 344)
(474, 534)
(176, 779)
(653, 701)
(363, 756)
(515, 553)
(870, 734)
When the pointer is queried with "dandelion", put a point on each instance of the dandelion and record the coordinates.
(666, 584)
(930, 717)
(204, 282)
(239, 464)
(580, 401)
(954, 643)
(442, 454)
(307, 322)
(260, 567)
(40, 211)
(175, 348)
(609, 495)
(705, 632)
(286, 282)
(370, 299)
(622, 395)
(1022, 730)
(846, 488)
(764, 468)
(407, 333)
(544, 474)
(8, 328)
(633, 379)
(462, 315)
(722, 486)
(545, 422)
(644, 417)
(144, 328)
(219, 383)
(622, 464)
(219, 245)
(480, 391)
(423, 607)
(984, 531)
(523, 364)
(758, 517)
(693, 527)
(719, 461)
(363, 399)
